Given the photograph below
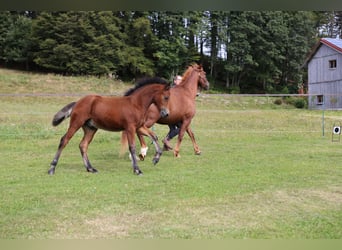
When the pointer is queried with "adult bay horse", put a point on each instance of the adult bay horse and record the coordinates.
(182, 108)
(125, 113)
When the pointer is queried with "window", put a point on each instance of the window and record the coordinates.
(320, 100)
(332, 64)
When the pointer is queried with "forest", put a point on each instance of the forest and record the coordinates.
(241, 51)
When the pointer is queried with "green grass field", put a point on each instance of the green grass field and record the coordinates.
(265, 172)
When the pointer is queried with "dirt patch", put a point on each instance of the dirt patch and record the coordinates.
(107, 227)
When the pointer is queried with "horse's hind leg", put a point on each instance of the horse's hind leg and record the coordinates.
(192, 137)
(87, 138)
(183, 128)
(64, 141)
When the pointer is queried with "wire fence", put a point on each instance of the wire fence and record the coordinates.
(117, 94)
(201, 94)
(223, 95)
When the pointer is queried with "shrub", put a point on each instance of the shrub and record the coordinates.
(278, 101)
(300, 103)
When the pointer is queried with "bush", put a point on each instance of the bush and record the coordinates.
(234, 90)
(278, 101)
(300, 103)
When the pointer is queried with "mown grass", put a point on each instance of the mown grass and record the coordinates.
(266, 172)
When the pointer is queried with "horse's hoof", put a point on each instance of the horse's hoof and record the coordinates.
(141, 157)
(138, 172)
(155, 161)
(198, 153)
(176, 153)
(167, 146)
(51, 172)
(92, 170)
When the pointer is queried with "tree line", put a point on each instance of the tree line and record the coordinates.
(241, 51)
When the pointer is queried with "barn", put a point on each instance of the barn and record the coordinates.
(324, 65)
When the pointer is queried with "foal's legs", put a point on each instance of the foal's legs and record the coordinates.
(143, 146)
(64, 141)
(131, 146)
(87, 138)
(145, 131)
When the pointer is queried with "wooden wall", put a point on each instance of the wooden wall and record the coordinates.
(325, 81)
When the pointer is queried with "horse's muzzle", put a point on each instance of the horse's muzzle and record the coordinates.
(164, 113)
(206, 87)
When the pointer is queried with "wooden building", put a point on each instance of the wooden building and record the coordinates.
(325, 74)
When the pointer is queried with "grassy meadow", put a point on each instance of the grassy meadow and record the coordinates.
(266, 171)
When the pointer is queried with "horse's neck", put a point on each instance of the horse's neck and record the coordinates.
(144, 98)
(190, 84)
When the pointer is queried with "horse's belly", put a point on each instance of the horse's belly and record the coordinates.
(173, 119)
(109, 125)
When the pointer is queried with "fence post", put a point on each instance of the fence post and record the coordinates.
(323, 120)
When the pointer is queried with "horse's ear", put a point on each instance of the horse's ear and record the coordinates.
(193, 64)
(197, 65)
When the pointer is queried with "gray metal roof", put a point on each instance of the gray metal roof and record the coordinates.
(334, 43)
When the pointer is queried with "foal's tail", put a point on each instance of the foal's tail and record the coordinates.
(63, 114)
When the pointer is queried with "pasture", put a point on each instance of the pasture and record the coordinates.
(265, 171)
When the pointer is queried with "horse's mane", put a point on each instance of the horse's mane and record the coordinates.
(188, 72)
(146, 81)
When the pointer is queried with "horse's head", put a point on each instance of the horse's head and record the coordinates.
(202, 79)
(161, 100)
(152, 90)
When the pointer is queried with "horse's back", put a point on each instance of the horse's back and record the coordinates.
(111, 113)
(96, 102)
(86, 101)
(104, 112)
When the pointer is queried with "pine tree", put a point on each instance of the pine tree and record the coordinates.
(78, 42)
(15, 38)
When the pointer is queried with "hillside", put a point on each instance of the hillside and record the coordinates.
(20, 82)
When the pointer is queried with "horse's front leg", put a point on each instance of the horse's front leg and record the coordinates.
(143, 146)
(131, 147)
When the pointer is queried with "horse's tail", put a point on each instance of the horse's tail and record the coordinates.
(64, 113)
(124, 143)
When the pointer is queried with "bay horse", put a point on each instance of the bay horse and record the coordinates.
(182, 108)
(124, 113)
